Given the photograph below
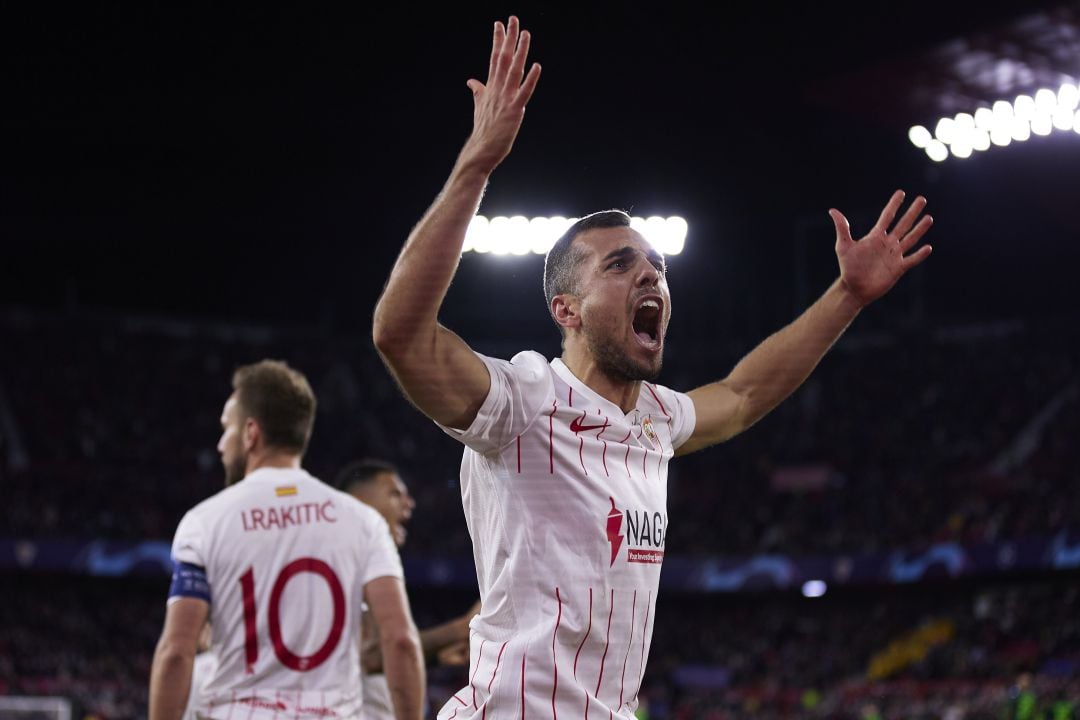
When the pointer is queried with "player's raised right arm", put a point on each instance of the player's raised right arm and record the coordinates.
(436, 369)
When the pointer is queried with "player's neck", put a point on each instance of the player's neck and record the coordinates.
(271, 459)
(623, 393)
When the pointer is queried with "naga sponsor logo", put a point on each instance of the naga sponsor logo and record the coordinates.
(644, 536)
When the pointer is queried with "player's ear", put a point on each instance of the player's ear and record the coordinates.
(565, 309)
(252, 433)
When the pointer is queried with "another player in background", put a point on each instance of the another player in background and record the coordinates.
(564, 474)
(280, 563)
(378, 483)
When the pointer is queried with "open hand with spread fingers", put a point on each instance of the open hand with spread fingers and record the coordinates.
(499, 105)
(870, 266)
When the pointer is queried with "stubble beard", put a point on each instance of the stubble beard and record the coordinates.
(615, 363)
(235, 471)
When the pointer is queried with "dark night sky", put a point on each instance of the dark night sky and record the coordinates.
(266, 164)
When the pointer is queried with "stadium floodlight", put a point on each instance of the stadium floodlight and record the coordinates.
(1024, 107)
(945, 130)
(980, 140)
(920, 137)
(500, 235)
(937, 151)
(961, 149)
(1063, 118)
(519, 235)
(1021, 129)
(814, 588)
(965, 123)
(1001, 124)
(1001, 136)
(1042, 124)
(1045, 101)
(1068, 96)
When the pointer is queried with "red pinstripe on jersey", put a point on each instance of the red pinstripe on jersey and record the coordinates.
(581, 447)
(657, 399)
(587, 631)
(551, 437)
(622, 680)
(497, 661)
(479, 659)
(626, 461)
(603, 455)
(644, 637)
(463, 703)
(523, 682)
(554, 658)
(607, 642)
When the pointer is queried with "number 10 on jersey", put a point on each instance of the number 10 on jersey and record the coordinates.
(299, 663)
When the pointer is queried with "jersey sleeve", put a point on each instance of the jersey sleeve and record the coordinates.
(519, 388)
(381, 552)
(683, 416)
(189, 542)
(189, 561)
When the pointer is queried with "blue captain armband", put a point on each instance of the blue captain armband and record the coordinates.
(189, 581)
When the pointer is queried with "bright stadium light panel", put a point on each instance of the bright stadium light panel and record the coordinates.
(980, 140)
(520, 235)
(1068, 96)
(1045, 101)
(1001, 124)
(984, 119)
(1024, 107)
(945, 130)
(960, 149)
(920, 137)
(937, 151)
(1042, 124)
(814, 588)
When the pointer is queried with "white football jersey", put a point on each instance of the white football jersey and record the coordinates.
(202, 670)
(565, 496)
(286, 559)
(378, 702)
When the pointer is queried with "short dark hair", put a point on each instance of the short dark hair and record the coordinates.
(280, 400)
(562, 258)
(362, 472)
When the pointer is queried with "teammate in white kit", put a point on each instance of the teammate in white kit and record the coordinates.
(378, 484)
(564, 471)
(280, 563)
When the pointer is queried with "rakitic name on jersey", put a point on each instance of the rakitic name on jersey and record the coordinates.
(283, 516)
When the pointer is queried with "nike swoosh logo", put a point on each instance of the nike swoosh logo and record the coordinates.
(576, 426)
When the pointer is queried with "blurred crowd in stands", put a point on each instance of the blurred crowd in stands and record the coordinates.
(911, 653)
(109, 427)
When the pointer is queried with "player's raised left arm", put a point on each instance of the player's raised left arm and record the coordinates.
(869, 267)
(170, 675)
